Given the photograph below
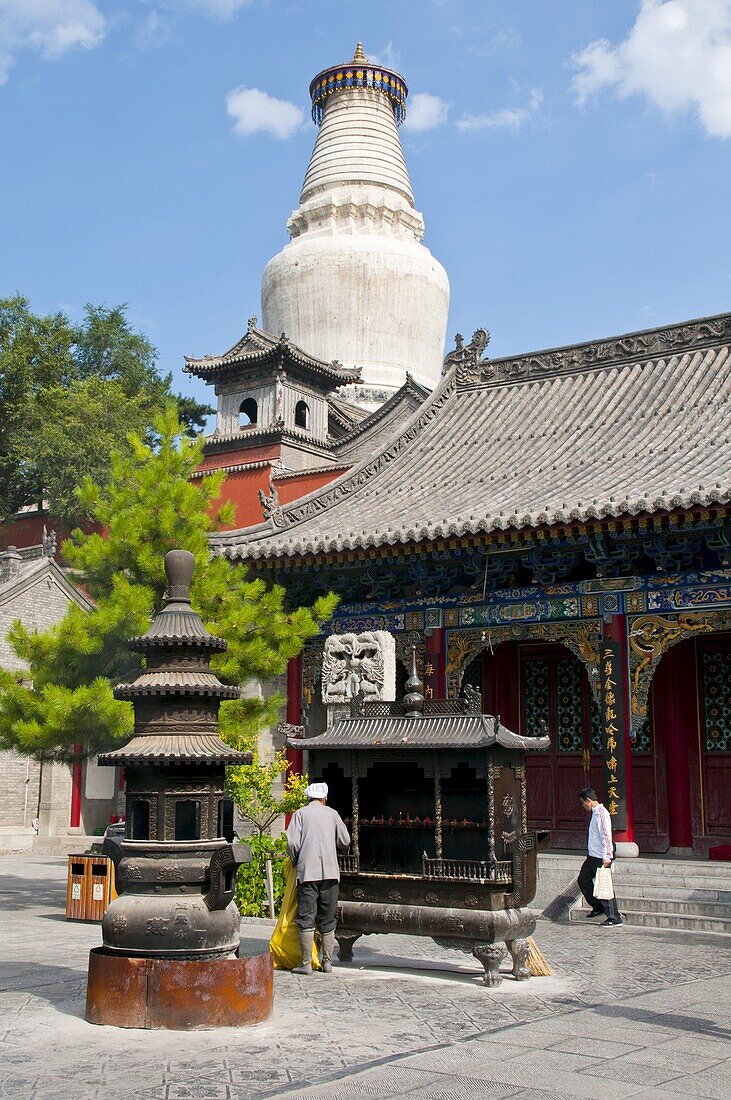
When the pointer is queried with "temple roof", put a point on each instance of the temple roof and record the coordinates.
(639, 423)
(381, 424)
(257, 347)
(458, 731)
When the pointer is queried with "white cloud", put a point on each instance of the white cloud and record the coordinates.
(51, 27)
(256, 112)
(677, 55)
(222, 9)
(154, 31)
(426, 112)
(510, 118)
(388, 57)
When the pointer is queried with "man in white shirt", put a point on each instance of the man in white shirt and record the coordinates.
(601, 854)
(315, 834)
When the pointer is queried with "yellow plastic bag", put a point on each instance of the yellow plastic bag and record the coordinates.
(284, 945)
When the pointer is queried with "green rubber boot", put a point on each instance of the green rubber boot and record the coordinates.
(307, 936)
(328, 945)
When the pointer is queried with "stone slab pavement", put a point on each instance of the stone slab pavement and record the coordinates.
(629, 1012)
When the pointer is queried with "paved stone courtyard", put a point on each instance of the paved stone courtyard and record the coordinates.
(630, 1012)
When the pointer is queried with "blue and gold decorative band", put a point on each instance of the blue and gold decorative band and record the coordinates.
(341, 77)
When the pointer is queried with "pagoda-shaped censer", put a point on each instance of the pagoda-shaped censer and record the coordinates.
(171, 937)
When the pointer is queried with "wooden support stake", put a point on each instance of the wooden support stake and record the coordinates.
(270, 886)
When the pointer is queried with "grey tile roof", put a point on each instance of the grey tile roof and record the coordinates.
(638, 423)
(257, 346)
(458, 731)
(372, 432)
(207, 748)
(163, 682)
(176, 625)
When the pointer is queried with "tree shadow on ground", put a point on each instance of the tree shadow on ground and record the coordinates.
(20, 892)
(60, 986)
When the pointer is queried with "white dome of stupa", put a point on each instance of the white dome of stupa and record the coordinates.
(355, 283)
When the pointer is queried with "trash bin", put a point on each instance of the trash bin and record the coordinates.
(90, 887)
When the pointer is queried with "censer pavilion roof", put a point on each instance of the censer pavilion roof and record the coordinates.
(437, 731)
(635, 424)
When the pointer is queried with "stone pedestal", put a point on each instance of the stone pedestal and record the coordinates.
(176, 995)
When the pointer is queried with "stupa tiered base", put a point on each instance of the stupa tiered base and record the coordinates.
(176, 994)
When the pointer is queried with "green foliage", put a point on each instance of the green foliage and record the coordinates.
(265, 791)
(149, 506)
(251, 894)
(69, 394)
(262, 793)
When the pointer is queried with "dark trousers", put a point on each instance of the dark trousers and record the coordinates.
(317, 904)
(586, 884)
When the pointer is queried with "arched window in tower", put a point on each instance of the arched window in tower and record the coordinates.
(248, 413)
(302, 415)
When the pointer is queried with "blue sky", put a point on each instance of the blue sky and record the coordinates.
(570, 157)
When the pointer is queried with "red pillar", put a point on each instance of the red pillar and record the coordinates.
(294, 709)
(504, 665)
(674, 712)
(76, 772)
(615, 630)
(435, 684)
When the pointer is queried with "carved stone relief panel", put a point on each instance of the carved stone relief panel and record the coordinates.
(353, 663)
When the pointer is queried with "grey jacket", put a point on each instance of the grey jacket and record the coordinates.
(314, 835)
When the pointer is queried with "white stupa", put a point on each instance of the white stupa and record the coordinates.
(355, 283)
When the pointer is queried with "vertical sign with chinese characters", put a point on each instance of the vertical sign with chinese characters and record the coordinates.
(613, 715)
(434, 685)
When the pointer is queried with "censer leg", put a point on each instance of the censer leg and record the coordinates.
(490, 955)
(346, 939)
(519, 952)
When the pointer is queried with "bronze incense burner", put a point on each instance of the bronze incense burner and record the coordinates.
(434, 795)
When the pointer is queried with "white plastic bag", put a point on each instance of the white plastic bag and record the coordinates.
(603, 885)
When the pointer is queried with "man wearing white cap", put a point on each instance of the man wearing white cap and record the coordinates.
(314, 835)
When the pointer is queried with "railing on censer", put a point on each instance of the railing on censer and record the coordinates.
(467, 870)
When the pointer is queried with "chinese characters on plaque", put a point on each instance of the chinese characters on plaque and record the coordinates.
(614, 717)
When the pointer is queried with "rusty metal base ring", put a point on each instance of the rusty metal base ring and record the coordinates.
(178, 996)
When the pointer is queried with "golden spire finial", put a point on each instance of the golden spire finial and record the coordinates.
(359, 55)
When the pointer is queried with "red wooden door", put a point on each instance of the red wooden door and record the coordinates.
(555, 696)
(714, 773)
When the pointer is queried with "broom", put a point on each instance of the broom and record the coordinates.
(537, 964)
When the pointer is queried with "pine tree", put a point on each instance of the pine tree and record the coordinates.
(150, 505)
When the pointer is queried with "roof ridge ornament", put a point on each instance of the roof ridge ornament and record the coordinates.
(270, 503)
(468, 359)
(359, 55)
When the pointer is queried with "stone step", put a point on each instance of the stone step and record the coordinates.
(681, 921)
(687, 884)
(672, 868)
(668, 905)
(708, 892)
